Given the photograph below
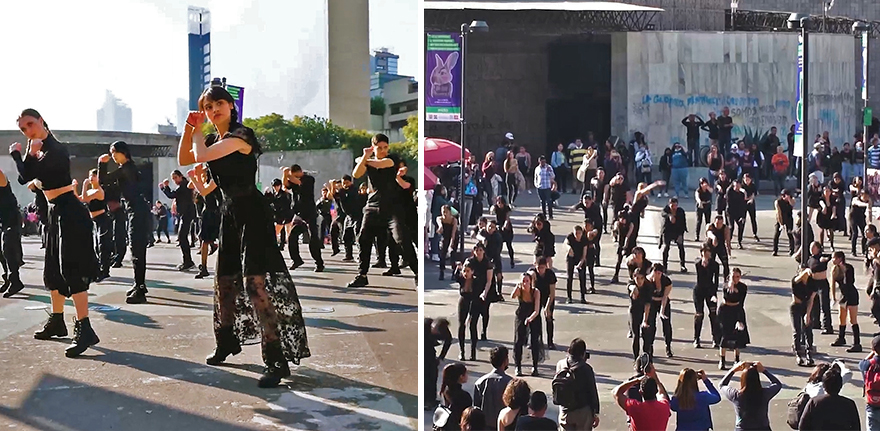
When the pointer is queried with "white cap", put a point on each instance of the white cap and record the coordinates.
(509, 136)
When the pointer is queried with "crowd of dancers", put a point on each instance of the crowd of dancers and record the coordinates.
(255, 299)
(722, 207)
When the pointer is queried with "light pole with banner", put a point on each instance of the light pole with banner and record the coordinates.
(473, 27)
(802, 96)
(863, 30)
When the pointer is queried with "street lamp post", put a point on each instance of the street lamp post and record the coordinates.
(734, 5)
(473, 27)
(861, 29)
(799, 21)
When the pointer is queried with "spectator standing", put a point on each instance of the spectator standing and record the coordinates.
(870, 368)
(644, 164)
(858, 164)
(524, 160)
(725, 128)
(545, 182)
(516, 398)
(582, 412)
(691, 404)
(751, 400)
(559, 163)
(873, 154)
(693, 123)
(576, 152)
(711, 126)
(780, 169)
(472, 419)
(535, 420)
(830, 411)
(666, 170)
(678, 172)
(653, 412)
(489, 389)
(436, 332)
(453, 396)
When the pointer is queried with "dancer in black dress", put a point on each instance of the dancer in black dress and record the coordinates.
(128, 179)
(527, 323)
(200, 178)
(502, 218)
(784, 221)
(659, 289)
(545, 241)
(843, 290)
(734, 329)
(826, 217)
(70, 260)
(267, 307)
(10, 223)
(705, 295)
(93, 196)
(703, 198)
(718, 238)
(803, 295)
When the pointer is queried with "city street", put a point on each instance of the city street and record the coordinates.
(602, 323)
(149, 372)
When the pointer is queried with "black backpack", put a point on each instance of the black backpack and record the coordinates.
(796, 409)
(564, 388)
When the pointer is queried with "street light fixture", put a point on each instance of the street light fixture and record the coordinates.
(797, 21)
(473, 27)
(734, 5)
(862, 30)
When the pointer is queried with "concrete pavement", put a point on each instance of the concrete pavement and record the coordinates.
(602, 322)
(149, 373)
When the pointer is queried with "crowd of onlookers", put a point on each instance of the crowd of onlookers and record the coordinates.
(501, 402)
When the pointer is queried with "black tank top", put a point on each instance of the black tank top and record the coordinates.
(705, 196)
(720, 234)
(97, 205)
(785, 210)
(715, 164)
(639, 206)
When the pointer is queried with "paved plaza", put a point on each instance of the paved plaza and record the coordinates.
(149, 372)
(603, 321)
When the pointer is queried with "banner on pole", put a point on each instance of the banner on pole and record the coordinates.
(237, 94)
(799, 100)
(865, 66)
(443, 69)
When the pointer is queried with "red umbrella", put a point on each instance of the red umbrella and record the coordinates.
(440, 151)
(430, 179)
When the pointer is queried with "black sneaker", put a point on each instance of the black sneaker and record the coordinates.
(139, 296)
(203, 272)
(392, 271)
(569, 301)
(348, 259)
(296, 265)
(380, 264)
(134, 288)
(359, 281)
(15, 286)
(185, 266)
(319, 268)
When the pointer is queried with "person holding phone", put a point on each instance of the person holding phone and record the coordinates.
(692, 405)
(751, 400)
(650, 413)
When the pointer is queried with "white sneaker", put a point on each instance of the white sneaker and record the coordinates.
(435, 258)
(665, 195)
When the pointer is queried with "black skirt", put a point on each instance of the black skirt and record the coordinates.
(210, 230)
(70, 260)
(728, 317)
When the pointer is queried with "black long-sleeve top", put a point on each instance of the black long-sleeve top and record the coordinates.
(52, 167)
(693, 129)
(304, 197)
(736, 203)
(707, 276)
(711, 126)
(186, 205)
(351, 202)
(127, 177)
(670, 229)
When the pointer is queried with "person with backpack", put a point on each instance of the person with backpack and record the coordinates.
(870, 368)
(575, 390)
(691, 404)
(830, 411)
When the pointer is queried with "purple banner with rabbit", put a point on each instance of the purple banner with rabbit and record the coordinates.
(443, 93)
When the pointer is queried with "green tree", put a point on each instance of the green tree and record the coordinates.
(377, 106)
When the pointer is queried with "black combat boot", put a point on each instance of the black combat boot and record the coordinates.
(83, 338)
(277, 367)
(227, 344)
(54, 327)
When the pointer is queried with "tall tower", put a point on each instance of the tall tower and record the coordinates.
(199, 20)
(348, 43)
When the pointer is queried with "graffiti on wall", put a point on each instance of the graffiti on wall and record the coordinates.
(659, 115)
